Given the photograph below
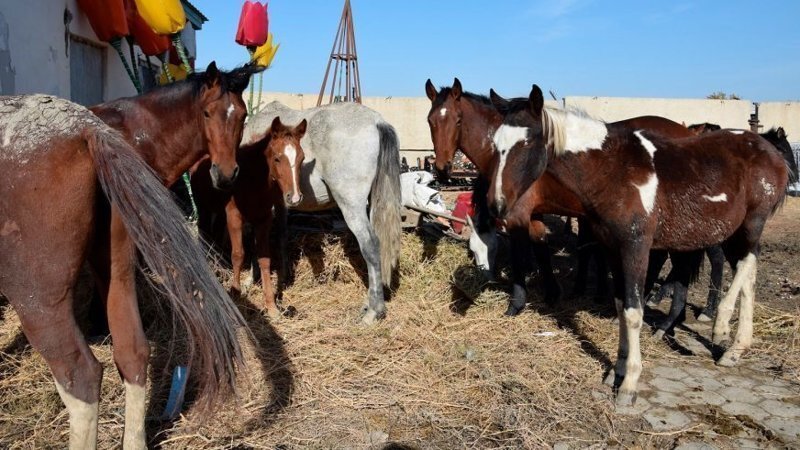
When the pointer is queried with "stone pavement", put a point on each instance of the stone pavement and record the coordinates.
(741, 407)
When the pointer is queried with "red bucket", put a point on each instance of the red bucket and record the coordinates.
(462, 210)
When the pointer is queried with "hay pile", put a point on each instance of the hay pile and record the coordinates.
(439, 372)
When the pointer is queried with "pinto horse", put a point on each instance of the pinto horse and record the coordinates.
(66, 173)
(352, 160)
(270, 170)
(466, 121)
(641, 191)
(775, 136)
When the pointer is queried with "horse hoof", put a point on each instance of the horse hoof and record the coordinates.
(611, 378)
(703, 317)
(513, 310)
(625, 399)
(235, 293)
(371, 317)
(652, 303)
(659, 334)
(728, 359)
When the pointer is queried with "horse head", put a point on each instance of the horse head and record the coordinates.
(520, 155)
(444, 120)
(284, 156)
(224, 111)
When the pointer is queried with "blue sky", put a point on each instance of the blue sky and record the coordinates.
(679, 49)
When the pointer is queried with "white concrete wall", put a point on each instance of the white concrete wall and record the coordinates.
(409, 114)
(726, 113)
(38, 59)
(781, 114)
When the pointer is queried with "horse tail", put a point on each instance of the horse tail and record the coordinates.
(178, 265)
(385, 201)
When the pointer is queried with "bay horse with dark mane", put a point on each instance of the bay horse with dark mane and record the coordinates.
(66, 174)
(466, 121)
(641, 192)
(268, 179)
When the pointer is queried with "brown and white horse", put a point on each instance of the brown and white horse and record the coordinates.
(66, 173)
(641, 192)
(268, 179)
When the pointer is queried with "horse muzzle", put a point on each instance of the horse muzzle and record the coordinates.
(221, 181)
(443, 173)
(293, 199)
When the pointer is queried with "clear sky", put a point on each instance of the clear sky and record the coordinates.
(629, 48)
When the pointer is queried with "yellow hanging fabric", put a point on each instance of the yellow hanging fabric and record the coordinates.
(164, 16)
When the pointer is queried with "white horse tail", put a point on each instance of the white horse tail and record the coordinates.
(385, 201)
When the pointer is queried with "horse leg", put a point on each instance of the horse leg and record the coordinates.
(45, 309)
(261, 231)
(616, 374)
(683, 266)
(235, 222)
(541, 251)
(113, 261)
(634, 264)
(585, 241)
(657, 260)
(717, 259)
(359, 224)
(520, 255)
(744, 333)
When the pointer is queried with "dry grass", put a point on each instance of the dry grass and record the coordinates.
(439, 372)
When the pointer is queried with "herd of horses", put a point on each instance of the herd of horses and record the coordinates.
(90, 185)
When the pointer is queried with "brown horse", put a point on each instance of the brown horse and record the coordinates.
(270, 171)
(174, 126)
(66, 173)
(641, 192)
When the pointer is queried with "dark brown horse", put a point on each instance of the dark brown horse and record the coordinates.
(641, 192)
(66, 173)
(268, 179)
(673, 287)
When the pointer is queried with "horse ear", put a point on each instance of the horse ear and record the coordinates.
(781, 133)
(430, 89)
(499, 102)
(537, 101)
(212, 74)
(300, 129)
(276, 125)
(457, 90)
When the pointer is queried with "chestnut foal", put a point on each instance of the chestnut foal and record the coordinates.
(268, 180)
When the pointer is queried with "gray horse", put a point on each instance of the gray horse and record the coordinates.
(352, 161)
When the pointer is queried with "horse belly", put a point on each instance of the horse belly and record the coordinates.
(690, 225)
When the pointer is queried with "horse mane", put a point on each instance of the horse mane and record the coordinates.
(444, 91)
(235, 81)
(554, 126)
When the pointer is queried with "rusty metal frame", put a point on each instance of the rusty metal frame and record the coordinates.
(343, 52)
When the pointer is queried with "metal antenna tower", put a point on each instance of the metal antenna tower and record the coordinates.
(345, 71)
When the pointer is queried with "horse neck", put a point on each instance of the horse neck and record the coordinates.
(175, 136)
(478, 124)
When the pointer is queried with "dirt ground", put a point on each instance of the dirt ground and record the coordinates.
(444, 370)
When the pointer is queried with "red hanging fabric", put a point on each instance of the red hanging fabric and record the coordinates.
(107, 18)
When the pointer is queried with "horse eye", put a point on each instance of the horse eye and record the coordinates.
(205, 113)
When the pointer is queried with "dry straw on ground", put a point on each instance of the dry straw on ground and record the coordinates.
(439, 372)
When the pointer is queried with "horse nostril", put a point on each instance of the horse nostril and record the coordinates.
(235, 172)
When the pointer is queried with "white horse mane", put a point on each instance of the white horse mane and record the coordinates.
(555, 122)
